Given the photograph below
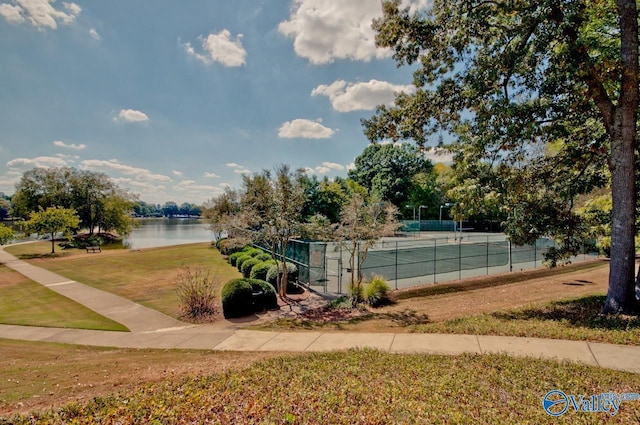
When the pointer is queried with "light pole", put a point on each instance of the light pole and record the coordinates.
(446, 205)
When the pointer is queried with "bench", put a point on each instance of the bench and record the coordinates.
(93, 248)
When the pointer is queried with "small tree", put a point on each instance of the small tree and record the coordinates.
(361, 224)
(6, 234)
(52, 221)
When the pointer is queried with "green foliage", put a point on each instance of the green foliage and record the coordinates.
(237, 298)
(263, 257)
(234, 257)
(247, 266)
(6, 234)
(268, 300)
(241, 259)
(97, 200)
(388, 171)
(376, 292)
(272, 274)
(52, 221)
(260, 270)
(197, 293)
(252, 251)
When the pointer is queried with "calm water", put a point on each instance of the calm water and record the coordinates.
(165, 232)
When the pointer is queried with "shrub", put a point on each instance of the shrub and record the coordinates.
(260, 270)
(292, 275)
(247, 266)
(237, 300)
(241, 259)
(249, 250)
(233, 257)
(219, 242)
(197, 292)
(376, 292)
(263, 256)
(231, 245)
(268, 299)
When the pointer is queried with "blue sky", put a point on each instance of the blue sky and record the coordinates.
(175, 100)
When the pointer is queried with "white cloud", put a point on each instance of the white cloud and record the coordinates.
(71, 146)
(140, 174)
(40, 13)
(325, 167)
(221, 48)
(346, 97)
(439, 155)
(351, 166)
(210, 175)
(94, 34)
(242, 171)
(326, 30)
(189, 189)
(131, 115)
(233, 165)
(40, 161)
(306, 129)
(333, 165)
(176, 173)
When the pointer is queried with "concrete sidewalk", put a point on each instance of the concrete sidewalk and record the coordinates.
(151, 329)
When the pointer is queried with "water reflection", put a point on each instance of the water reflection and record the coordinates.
(165, 232)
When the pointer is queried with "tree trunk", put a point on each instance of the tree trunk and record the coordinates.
(53, 243)
(621, 293)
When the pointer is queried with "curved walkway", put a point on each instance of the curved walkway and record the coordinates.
(152, 329)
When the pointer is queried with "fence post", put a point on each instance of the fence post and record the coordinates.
(460, 257)
(487, 255)
(510, 258)
(396, 265)
(535, 253)
(435, 258)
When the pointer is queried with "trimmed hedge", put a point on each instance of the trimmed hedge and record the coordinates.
(241, 259)
(269, 298)
(292, 275)
(237, 298)
(250, 250)
(247, 266)
(263, 256)
(234, 257)
(259, 271)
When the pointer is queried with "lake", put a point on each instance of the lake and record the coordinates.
(165, 232)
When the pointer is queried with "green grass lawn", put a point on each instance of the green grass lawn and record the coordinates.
(367, 387)
(27, 303)
(145, 276)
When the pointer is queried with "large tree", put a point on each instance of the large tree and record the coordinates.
(91, 194)
(508, 77)
(388, 171)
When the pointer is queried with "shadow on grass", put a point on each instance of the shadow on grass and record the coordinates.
(39, 255)
(581, 312)
(406, 318)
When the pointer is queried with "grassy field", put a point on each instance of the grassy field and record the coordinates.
(145, 276)
(24, 302)
(366, 387)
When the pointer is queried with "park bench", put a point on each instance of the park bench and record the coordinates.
(93, 248)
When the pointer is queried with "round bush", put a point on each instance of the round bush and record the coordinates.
(376, 292)
(247, 266)
(263, 256)
(251, 251)
(237, 298)
(268, 298)
(272, 274)
(234, 257)
(259, 271)
(241, 259)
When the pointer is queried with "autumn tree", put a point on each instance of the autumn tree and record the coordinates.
(52, 221)
(6, 234)
(221, 210)
(507, 79)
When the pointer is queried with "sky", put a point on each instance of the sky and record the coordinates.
(176, 100)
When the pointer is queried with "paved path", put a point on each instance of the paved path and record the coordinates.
(151, 329)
